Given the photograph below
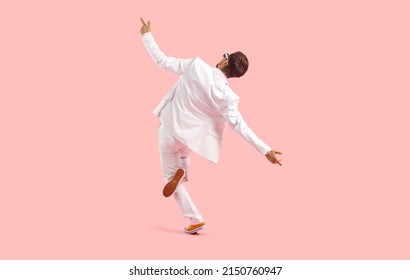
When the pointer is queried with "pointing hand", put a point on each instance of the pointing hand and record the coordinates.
(271, 156)
(145, 27)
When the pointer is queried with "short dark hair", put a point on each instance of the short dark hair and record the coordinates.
(237, 65)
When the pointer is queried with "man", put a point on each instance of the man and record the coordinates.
(193, 116)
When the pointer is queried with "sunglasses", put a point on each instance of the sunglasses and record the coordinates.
(226, 55)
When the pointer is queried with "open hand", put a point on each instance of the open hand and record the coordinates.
(271, 156)
(145, 27)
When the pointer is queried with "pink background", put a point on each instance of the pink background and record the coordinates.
(328, 85)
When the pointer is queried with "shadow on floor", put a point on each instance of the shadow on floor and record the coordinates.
(174, 231)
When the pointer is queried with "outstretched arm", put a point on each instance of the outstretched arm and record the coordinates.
(238, 124)
(176, 65)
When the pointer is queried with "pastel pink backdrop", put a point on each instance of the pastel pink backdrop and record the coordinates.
(328, 85)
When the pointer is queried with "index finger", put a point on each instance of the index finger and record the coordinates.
(143, 22)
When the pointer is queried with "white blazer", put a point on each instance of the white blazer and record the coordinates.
(197, 107)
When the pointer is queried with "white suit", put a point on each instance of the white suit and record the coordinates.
(194, 113)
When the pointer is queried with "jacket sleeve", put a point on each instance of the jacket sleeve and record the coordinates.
(176, 65)
(234, 118)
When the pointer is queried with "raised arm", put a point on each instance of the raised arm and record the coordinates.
(176, 65)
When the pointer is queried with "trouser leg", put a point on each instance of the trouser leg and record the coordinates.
(184, 161)
(186, 205)
(174, 155)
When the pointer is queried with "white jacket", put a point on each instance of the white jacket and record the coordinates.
(197, 107)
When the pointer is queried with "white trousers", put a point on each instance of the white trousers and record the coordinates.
(174, 155)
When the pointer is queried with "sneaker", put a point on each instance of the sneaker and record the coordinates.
(194, 228)
(172, 185)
